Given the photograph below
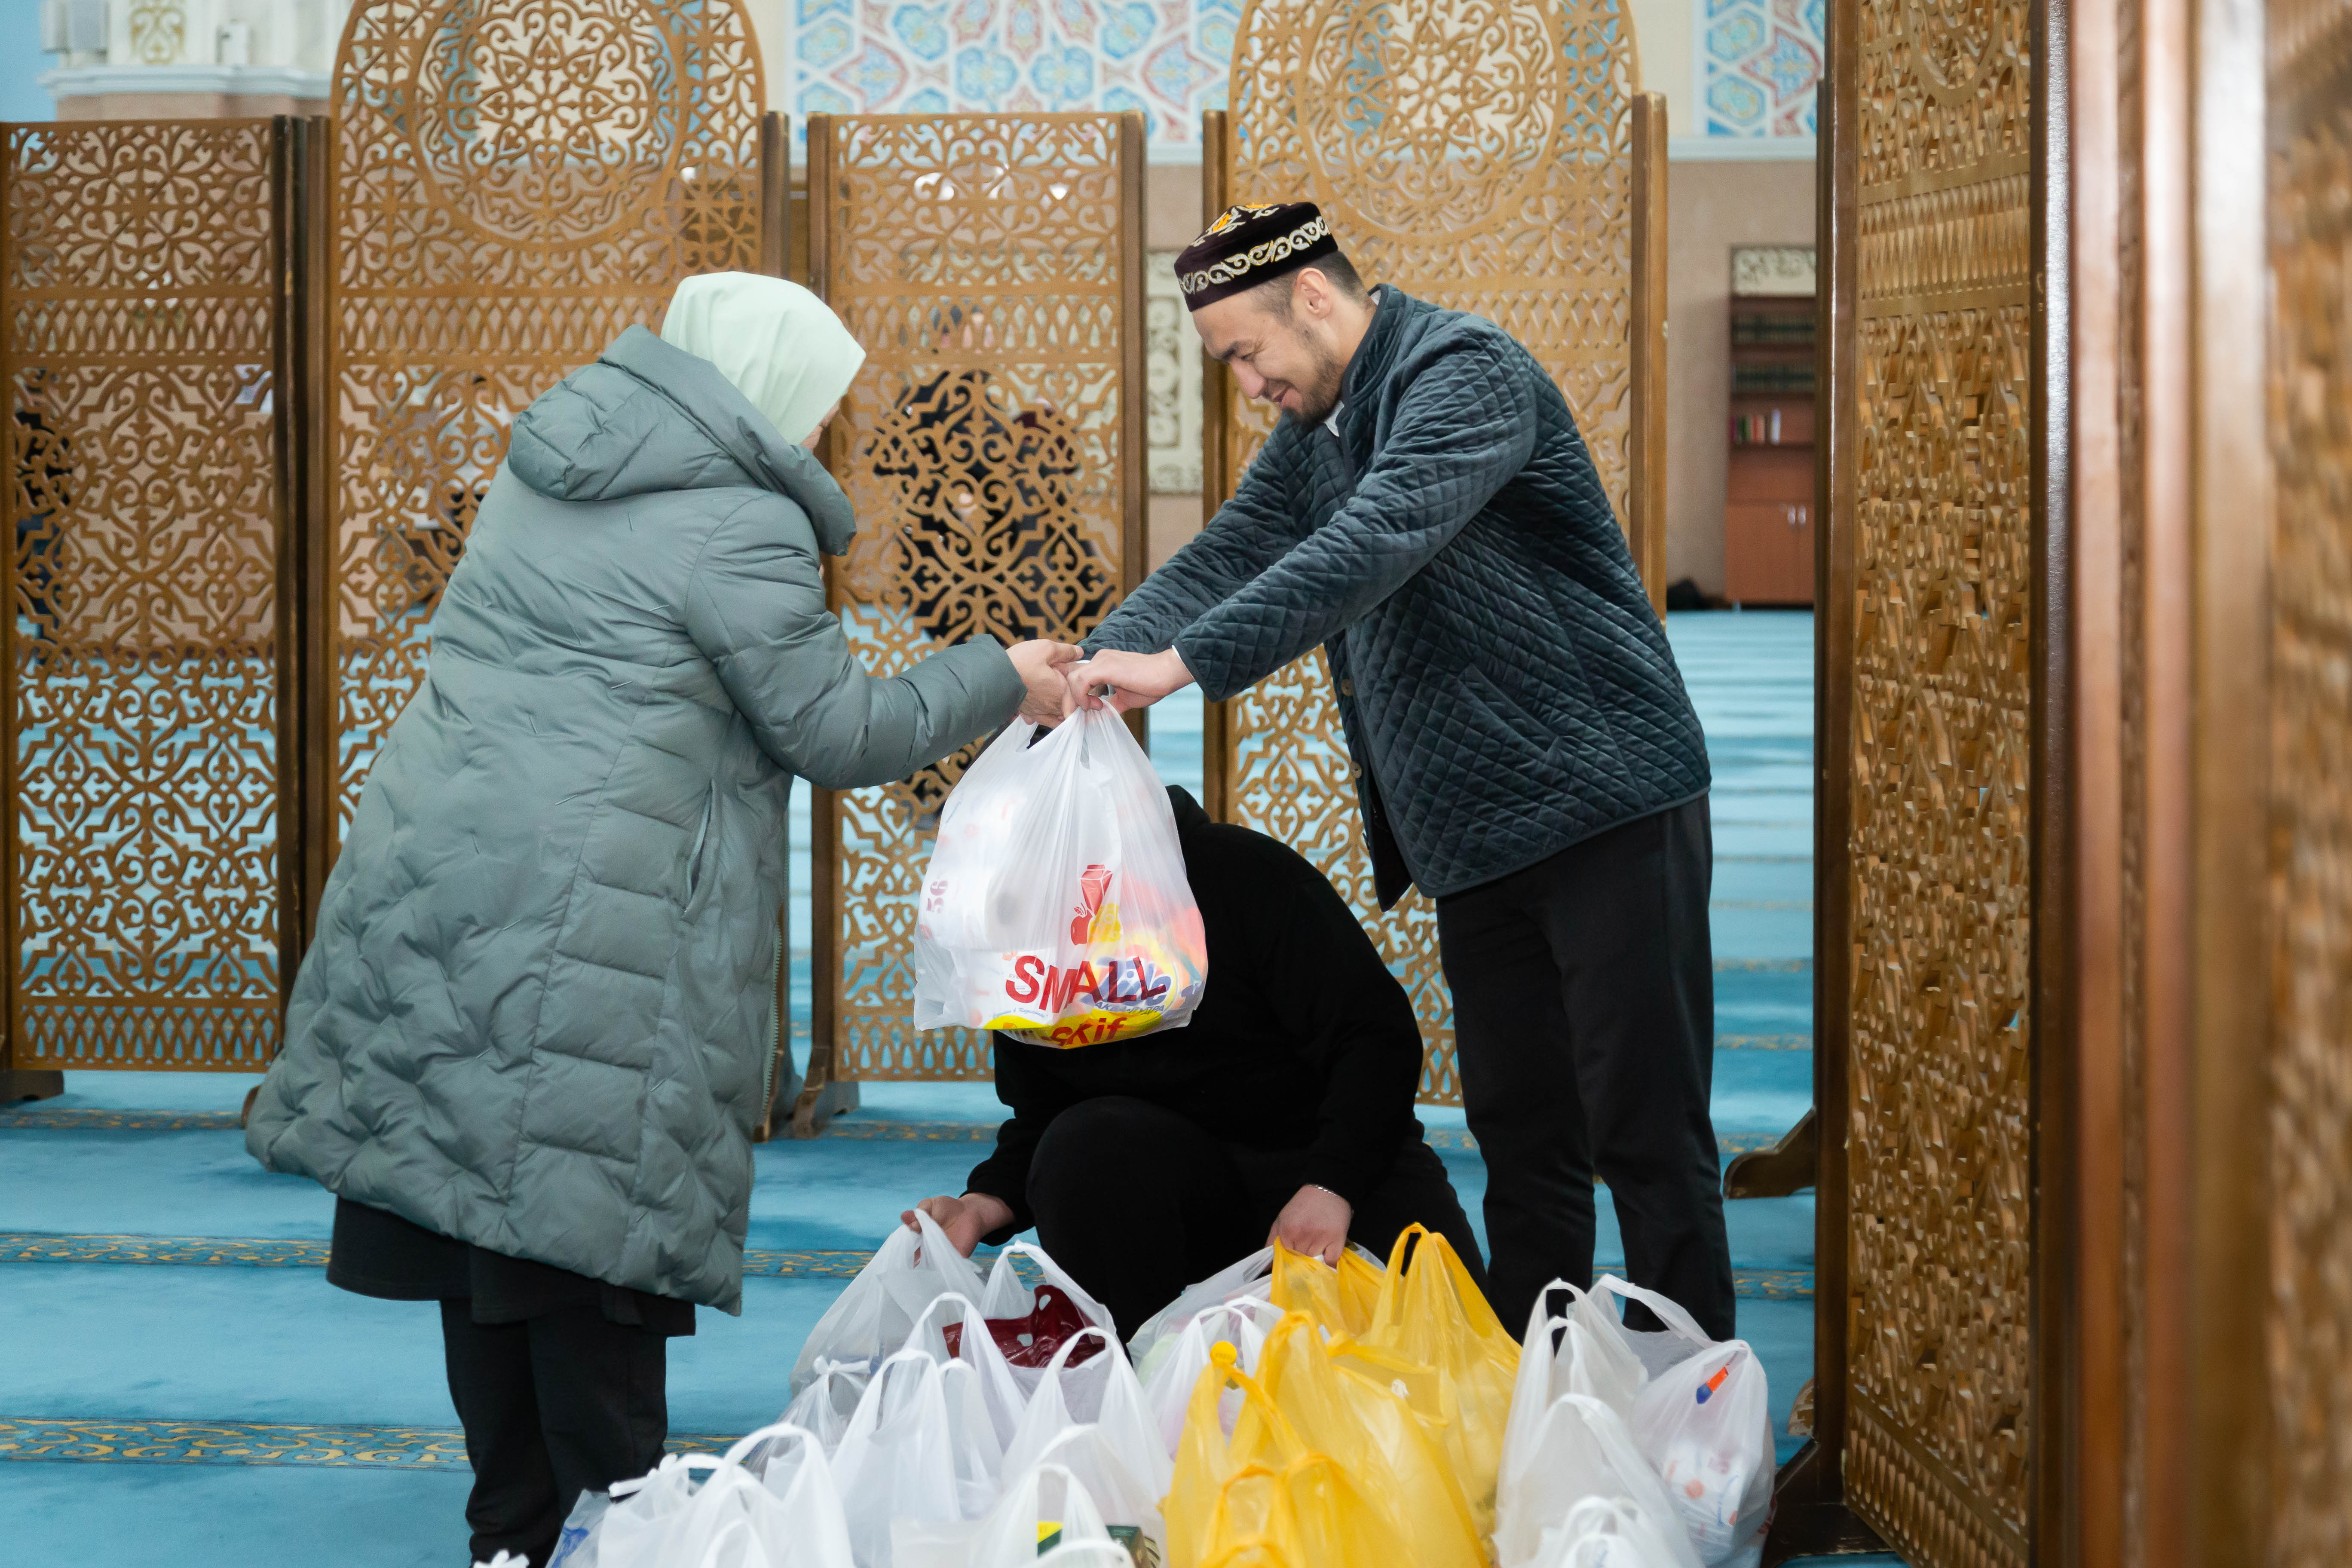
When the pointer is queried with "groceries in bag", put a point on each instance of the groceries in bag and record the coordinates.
(1706, 1424)
(1246, 1277)
(906, 1457)
(1056, 905)
(1175, 1363)
(1577, 1449)
(873, 1317)
(1342, 1298)
(1695, 1412)
(1031, 1325)
(769, 1500)
(1264, 1496)
(1605, 1532)
(1432, 1314)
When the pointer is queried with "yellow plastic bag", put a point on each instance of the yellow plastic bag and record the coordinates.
(1328, 1468)
(1431, 1313)
(1342, 1300)
(1264, 1499)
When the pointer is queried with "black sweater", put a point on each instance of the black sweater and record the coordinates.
(1303, 1041)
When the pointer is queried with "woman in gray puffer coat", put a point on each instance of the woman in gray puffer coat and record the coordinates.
(526, 1046)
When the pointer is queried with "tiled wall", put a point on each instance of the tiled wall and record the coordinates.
(1757, 66)
(874, 56)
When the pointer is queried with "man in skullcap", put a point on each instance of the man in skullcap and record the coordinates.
(1427, 515)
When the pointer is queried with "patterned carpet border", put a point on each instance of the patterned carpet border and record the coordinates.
(85, 1120)
(255, 1443)
(813, 1263)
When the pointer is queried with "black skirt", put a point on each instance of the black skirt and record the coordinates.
(377, 1253)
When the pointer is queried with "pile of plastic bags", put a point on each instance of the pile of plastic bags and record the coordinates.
(1283, 1413)
(1633, 1449)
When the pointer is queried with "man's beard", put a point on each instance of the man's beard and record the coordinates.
(1315, 401)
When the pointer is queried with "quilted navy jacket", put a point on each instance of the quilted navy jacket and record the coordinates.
(1506, 689)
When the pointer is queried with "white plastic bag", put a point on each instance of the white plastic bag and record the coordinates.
(1044, 1500)
(1580, 1448)
(1007, 1296)
(1705, 1423)
(1103, 1395)
(1582, 1350)
(1056, 905)
(898, 1459)
(999, 1394)
(769, 1502)
(1605, 1532)
(1657, 1349)
(872, 1318)
(1176, 1362)
(1246, 1277)
(825, 1405)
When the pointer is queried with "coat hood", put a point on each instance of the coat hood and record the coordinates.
(648, 418)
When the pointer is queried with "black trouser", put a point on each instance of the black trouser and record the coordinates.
(1584, 1020)
(552, 1405)
(1137, 1202)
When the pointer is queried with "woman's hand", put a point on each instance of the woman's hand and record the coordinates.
(1043, 664)
(1313, 1223)
(965, 1219)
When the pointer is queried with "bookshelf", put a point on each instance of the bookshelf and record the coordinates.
(1768, 509)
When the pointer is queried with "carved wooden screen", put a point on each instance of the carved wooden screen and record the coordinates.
(515, 182)
(1479, 156)
(140, 280)
(1937, 842)
(994, 450)
(2310, 1094)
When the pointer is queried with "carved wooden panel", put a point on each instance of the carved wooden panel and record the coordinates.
(1479, 156)
(138, 272)
(988, 265)
(515, 184)
(2310, 1288)
(1941, 1221)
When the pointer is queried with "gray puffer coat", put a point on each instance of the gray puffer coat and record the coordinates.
(537, 1011)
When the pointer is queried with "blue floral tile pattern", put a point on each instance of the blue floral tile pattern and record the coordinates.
(1165, 58)
(1758, 63)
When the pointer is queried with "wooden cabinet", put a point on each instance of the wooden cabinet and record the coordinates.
(1767, 512)
(1768, 551)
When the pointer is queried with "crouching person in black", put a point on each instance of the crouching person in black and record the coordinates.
(1283, 1111)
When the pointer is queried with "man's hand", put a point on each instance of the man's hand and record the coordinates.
(1043, 667)
(1140, 678)
(1314, 1224)
(965, 1219)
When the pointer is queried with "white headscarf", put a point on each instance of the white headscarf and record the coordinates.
(782, 346)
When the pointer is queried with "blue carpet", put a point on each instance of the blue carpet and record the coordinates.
(252, 1335)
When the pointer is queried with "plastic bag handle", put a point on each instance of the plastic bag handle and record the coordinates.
(671, 1463)
(734, 1455)
(1670, 1312)
(1062, 1353)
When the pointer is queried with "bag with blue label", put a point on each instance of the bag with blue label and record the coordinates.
(1055, 906)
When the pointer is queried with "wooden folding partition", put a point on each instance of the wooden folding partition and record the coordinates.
(146, 672)
(1554, 228)
(262, 372)
(992, 448)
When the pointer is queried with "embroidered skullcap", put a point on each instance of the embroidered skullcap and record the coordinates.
(1246, 245)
